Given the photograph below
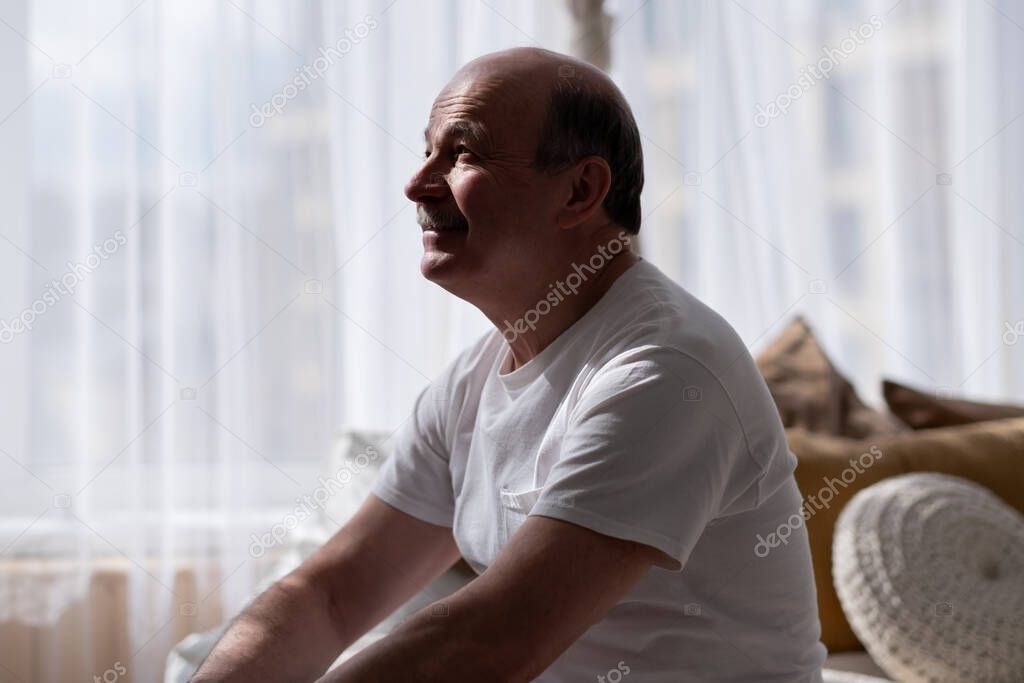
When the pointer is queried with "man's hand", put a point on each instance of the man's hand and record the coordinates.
(549, 584)
(300, 625)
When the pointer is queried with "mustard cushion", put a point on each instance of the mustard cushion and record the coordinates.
(832, 469)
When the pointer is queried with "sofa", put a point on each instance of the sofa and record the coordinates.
(828, 427)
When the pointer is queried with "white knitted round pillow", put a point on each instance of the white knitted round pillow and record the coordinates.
(929, 569)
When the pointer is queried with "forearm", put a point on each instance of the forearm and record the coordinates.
(427, 647)
(287, 633)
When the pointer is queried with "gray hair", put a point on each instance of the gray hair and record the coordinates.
(583, 121)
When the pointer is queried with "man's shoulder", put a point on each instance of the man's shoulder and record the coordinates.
(664, 340)
(660, 322)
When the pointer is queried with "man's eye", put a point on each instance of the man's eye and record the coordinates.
(462, 149)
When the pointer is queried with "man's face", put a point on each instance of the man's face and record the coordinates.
(483, 208)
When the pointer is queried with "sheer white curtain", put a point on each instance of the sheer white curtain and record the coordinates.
(221, 186)
(398, 330)
(169, 351)
(209, 268)
(884, 204)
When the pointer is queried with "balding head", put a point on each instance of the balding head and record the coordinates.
(587, 115)
(532, 163)
(572, 110)
(536, 67)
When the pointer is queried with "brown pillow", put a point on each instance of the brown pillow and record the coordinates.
(989, 453)
(810, 392)
(921, 410)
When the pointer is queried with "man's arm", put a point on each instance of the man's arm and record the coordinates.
(299, 626)
(550, 583)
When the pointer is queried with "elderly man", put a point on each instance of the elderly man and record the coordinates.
(607, 459)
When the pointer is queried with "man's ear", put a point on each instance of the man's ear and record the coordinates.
(589, 179)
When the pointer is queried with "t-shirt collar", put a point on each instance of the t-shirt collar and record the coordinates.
(533, 368)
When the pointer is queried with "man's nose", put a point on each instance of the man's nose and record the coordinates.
(427, 183)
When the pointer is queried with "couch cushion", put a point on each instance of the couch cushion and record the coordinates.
(922, 410)
(810, 393)
(929, 569)
(989, 453)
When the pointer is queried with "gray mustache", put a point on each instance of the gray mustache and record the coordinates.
(440, 221)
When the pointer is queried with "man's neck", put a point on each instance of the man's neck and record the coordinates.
(542, 321)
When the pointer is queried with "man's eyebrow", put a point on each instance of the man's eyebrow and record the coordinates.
(470, 131)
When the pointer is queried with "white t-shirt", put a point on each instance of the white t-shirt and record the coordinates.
(646, 420)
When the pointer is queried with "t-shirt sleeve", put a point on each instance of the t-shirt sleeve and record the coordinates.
(415, 478)
(652, 447)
